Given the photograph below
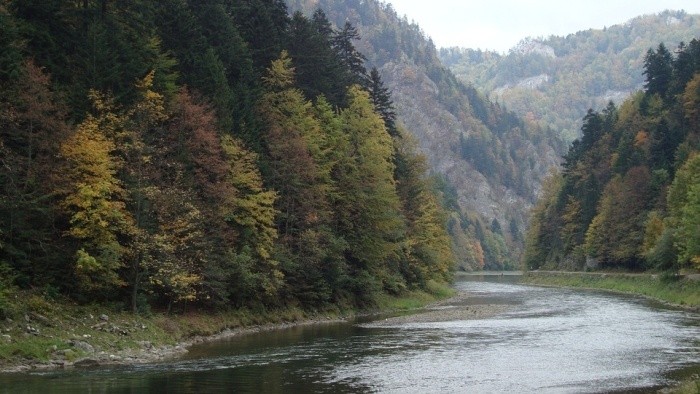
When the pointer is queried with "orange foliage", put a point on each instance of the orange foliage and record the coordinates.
(641, 139)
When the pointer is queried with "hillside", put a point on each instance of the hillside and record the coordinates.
(174, 155)
(628, 197)
(493, 161)
(553, 81)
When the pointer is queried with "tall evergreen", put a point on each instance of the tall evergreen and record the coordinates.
(658, 69)
(350, 57)
(381, 98)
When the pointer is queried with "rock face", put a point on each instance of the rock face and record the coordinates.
(84, 346)
(531, 46)
(438, 132)
(586, 69)
(494, 161)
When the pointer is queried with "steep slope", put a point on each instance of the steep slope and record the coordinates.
(629, 193)
(554, 81)
(494, 160)
(166, 155)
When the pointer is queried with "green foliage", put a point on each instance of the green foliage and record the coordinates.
(684, 207)
(235, 191)
(623, 185)
(368, 210)
(456, 125)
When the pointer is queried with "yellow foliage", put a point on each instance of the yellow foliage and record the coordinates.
(280, 74)
(94, 197)
(653, 230)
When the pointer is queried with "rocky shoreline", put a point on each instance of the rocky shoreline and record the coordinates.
(146, 353)
(93, 356)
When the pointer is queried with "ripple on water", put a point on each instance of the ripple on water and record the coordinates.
(540, 340)
(555, 340)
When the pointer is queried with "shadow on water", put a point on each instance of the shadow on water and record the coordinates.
(537, 340)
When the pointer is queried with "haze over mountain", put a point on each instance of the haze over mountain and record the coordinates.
(554, 81)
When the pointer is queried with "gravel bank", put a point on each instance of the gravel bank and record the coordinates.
(455, 308)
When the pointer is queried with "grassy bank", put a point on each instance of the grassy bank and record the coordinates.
(39, 332)
(676, 291)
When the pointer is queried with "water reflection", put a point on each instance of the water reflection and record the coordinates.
(547, 340)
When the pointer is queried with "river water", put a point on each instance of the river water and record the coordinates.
(546, 340)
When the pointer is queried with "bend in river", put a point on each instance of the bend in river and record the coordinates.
(500, 337)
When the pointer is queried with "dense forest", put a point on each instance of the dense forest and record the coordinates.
(491, 162)
(221, 153)
(552, 81)
(629, 193)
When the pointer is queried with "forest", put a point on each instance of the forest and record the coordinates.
(553, 81)
(221, 154)
(491, 162)
(628, 196)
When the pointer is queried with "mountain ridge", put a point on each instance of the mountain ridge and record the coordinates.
(586, 69)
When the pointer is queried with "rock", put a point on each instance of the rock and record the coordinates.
(104, 317)
(40, 318)
(31, 330)
(6, 338)
(146, 344)
(99, 326)
(87, 363)
(84, 346)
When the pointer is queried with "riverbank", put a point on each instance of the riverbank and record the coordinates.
(450, 309)
(683, 292)
(680, 292)
(42, 333)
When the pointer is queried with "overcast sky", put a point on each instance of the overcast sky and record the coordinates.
(501, 24)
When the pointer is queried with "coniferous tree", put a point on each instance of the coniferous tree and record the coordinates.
(381, 98)
(368, 210)
(658, 69)
(350, 57)
(263, 25)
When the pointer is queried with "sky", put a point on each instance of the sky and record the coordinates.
(500, 24)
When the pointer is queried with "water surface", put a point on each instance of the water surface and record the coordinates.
(548, 340)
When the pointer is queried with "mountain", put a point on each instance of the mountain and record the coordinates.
(492, 160)
(554, 81)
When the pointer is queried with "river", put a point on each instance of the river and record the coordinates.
(542, 340)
